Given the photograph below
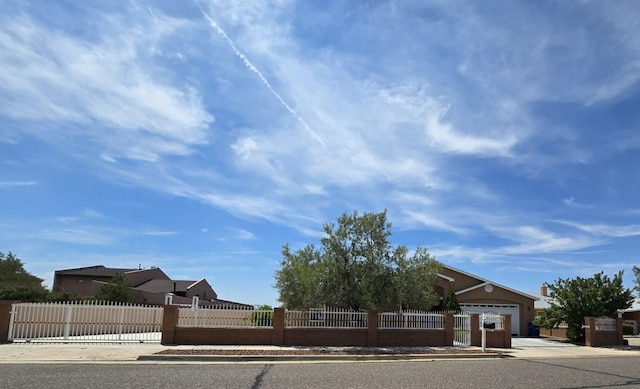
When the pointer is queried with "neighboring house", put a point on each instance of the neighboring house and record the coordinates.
(149, 286)
(632, 315)
(476, 294)
(543, 302)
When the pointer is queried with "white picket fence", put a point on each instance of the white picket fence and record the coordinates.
(326, 317)
(411, 319)
(96, 321)
(224, 318)
(85, 321)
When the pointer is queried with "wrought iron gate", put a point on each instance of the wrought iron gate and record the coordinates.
(461, 329)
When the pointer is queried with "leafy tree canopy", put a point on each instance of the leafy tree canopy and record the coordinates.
(357, 267)
(573, 299)
(117, 289)
(18, 284)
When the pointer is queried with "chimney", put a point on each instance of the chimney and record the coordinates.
(543, 290)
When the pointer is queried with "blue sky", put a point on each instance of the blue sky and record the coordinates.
(200, 137)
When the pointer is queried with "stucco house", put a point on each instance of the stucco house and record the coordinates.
(476, 294)
(149, 286)
(631, 315)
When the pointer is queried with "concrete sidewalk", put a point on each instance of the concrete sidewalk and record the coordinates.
(146, 353)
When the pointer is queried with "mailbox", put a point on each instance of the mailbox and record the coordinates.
(489, 326)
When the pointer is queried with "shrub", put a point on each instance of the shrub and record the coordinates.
(627, 329)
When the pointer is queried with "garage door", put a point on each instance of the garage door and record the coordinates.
(503, 309)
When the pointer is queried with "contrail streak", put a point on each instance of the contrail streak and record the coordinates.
(262, 78)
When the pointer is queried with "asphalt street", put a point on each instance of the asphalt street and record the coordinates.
(606, 372)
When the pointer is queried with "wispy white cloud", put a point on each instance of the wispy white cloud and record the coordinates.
(571, 202)
(110, 84)
(75, 236)
(605, 230)
(160, 233)
(443, 136)
(10, 184)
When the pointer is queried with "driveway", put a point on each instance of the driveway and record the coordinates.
(523, 343)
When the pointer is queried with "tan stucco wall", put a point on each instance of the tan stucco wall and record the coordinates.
(480, 296)
(203, 290)
(502, 296)
(82, 285)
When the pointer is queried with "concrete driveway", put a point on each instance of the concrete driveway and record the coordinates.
(538, 342)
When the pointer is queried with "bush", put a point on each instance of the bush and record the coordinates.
(627, 329)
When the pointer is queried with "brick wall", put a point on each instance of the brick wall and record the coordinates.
(595, 338)
(5, 316)
(280, 335)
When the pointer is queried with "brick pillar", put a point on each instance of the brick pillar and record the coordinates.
(619, 334)
(5, 317)
(506, 322)
(590, 338)
(476, 335)
(448, 329)
(169, 323)
(277, 336)
(372, 327)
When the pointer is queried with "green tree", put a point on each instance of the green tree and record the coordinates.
(18, 284)
(451, 303)
(357, 267)
(117, 289)
(573, 299)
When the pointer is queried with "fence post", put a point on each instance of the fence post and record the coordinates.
(277, 336)
(449, 333)
(619, 333)
(5, 318)
(590, 338)
(372, 328)
(476, 334)
(169, 323)
(506, 326)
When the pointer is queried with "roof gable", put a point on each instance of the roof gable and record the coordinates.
(482, 282)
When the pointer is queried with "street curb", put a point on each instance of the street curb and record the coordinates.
(312, 358)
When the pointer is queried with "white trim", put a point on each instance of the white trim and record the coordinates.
(485, 281)
(450, 279)
(472, 288)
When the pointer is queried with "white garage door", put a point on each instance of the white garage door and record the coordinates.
(503, 309)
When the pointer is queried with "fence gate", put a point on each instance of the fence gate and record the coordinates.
(461, 329)
(85, 322)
